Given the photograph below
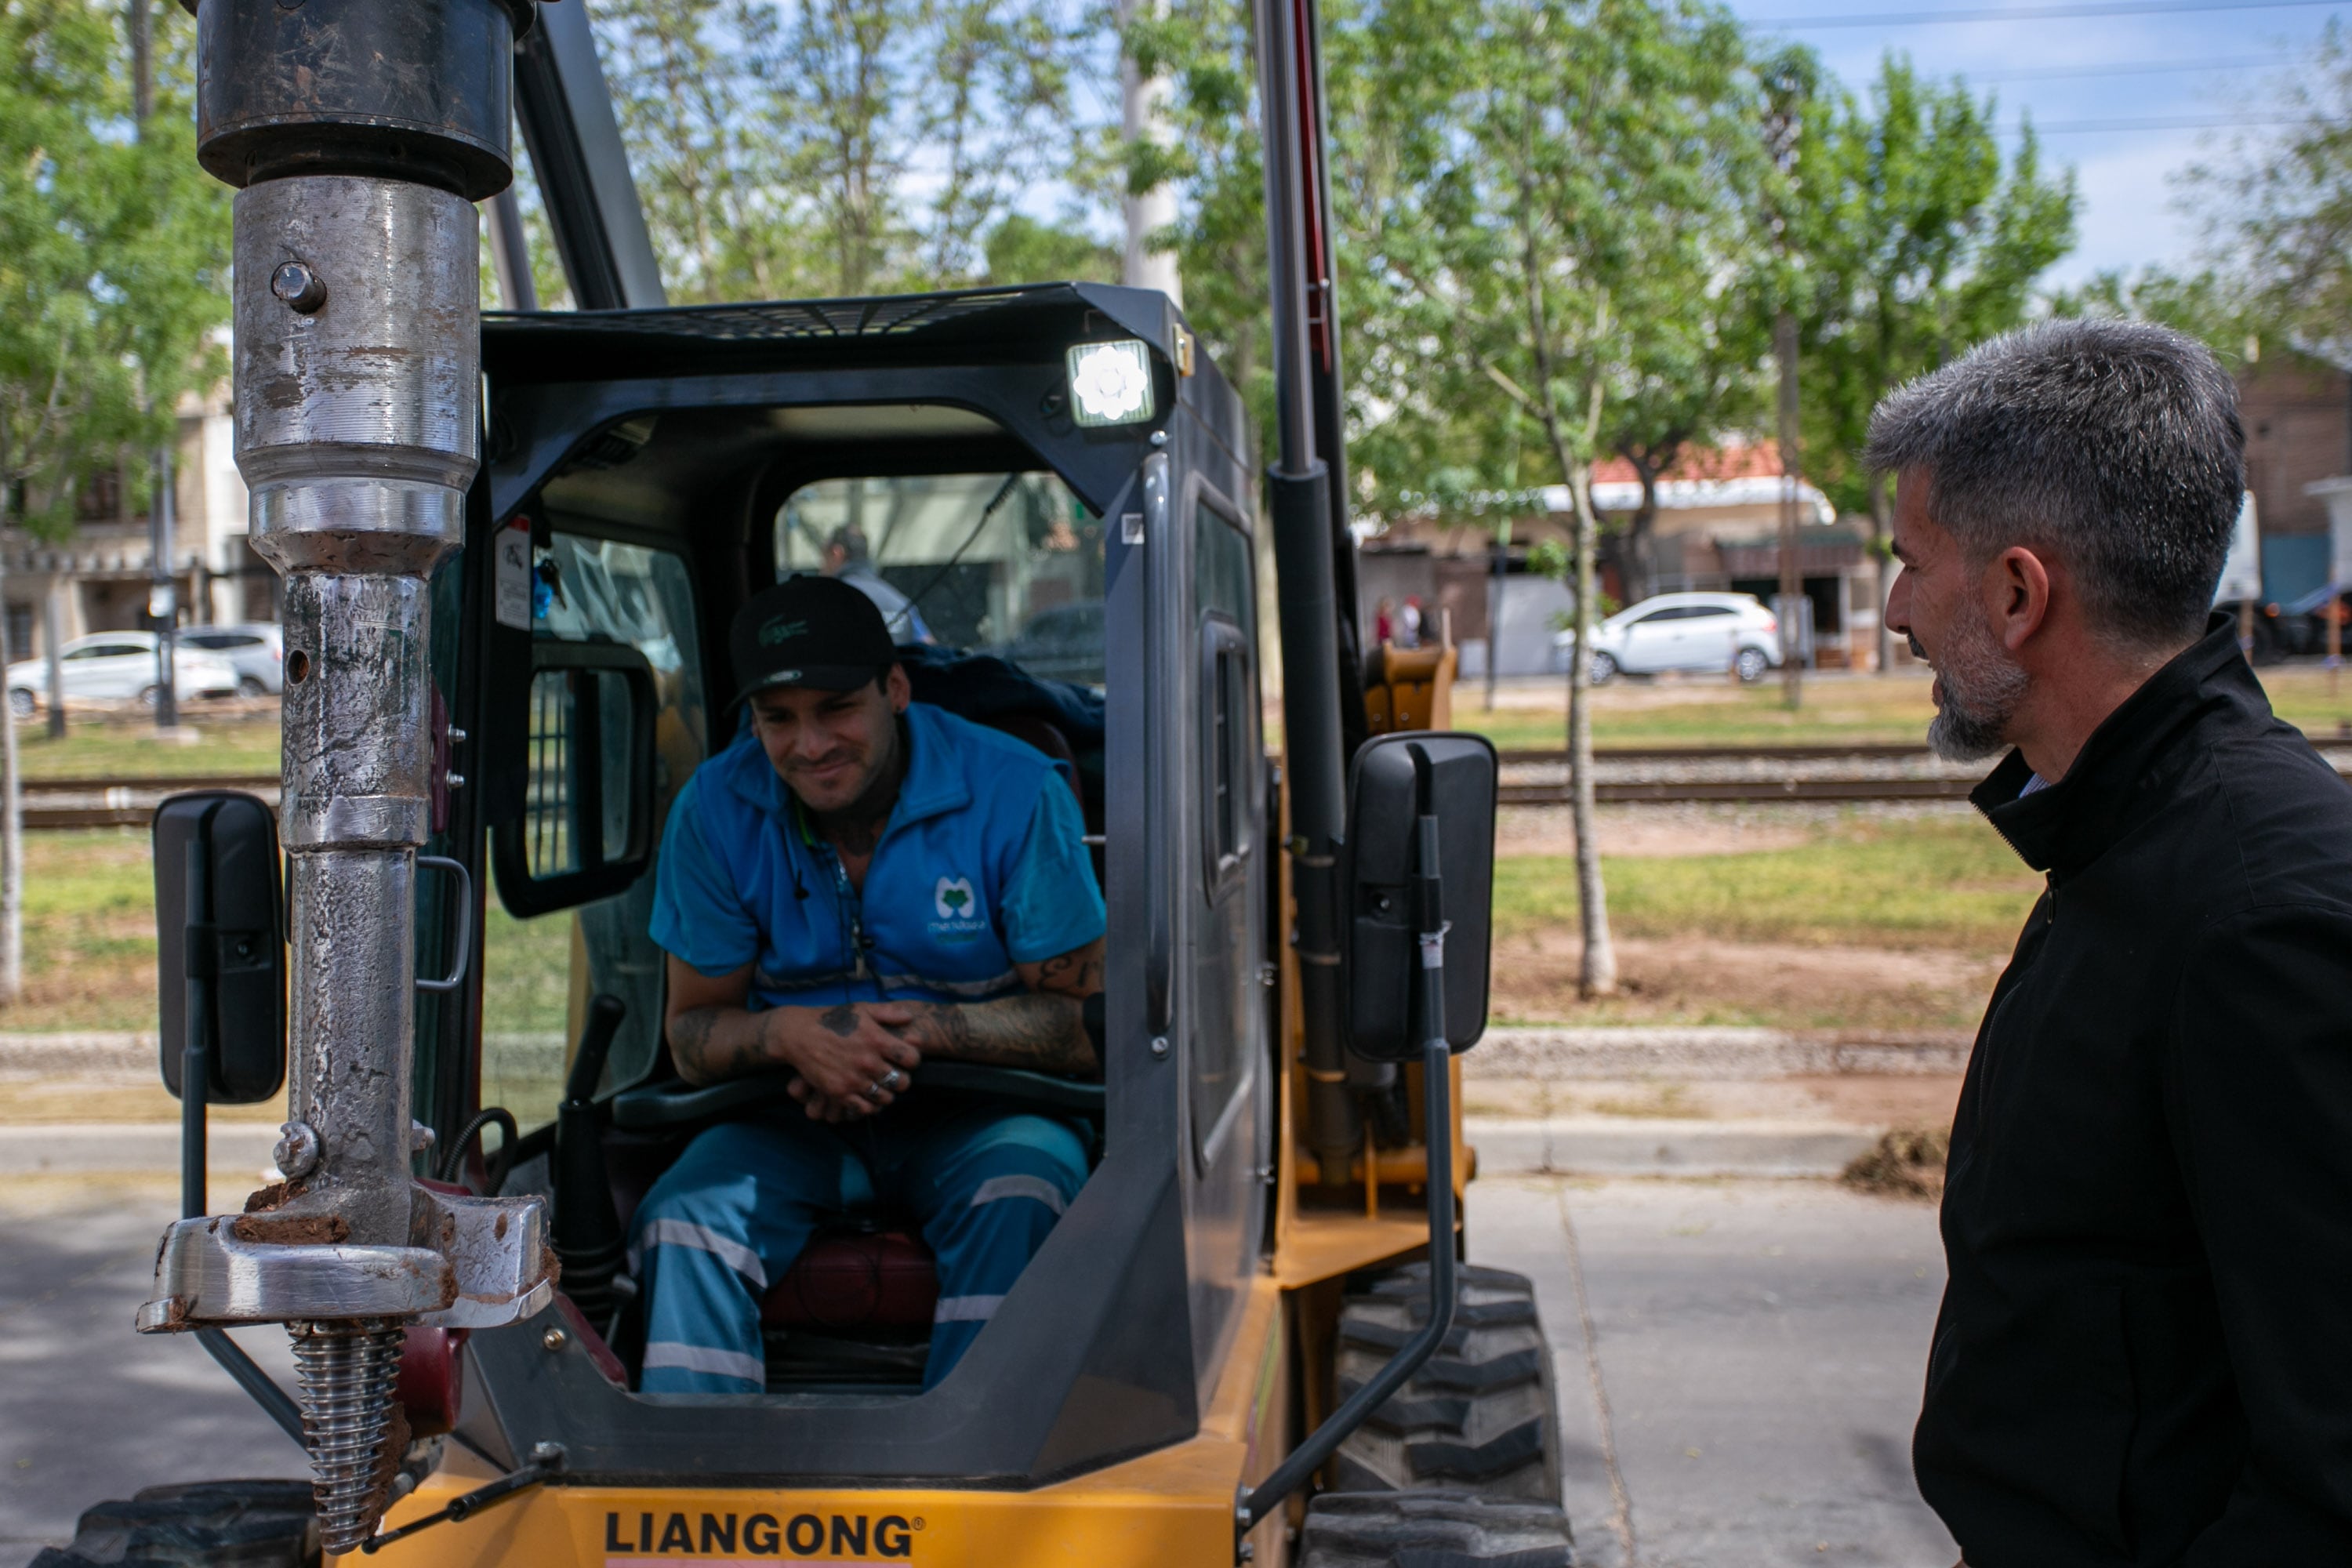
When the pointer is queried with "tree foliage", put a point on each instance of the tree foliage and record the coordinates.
(113, 256)
(830, 147)
(2278, 208)
(1916, 239)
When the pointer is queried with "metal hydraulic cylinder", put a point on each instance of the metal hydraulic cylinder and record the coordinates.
(358, 385)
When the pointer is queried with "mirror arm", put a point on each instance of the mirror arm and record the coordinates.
(200, 952)
(200, 956)
(1437, 1131)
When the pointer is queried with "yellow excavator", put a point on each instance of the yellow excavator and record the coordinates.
(511, 547)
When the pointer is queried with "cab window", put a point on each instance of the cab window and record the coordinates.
(1008, 564)
(540, 972)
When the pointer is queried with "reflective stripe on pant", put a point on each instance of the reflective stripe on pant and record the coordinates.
(726, 1220)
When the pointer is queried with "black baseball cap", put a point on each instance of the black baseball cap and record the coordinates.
(809, 631)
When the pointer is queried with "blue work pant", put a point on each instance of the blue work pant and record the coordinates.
(726, 1222)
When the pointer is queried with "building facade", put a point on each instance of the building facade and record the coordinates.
(100, 576)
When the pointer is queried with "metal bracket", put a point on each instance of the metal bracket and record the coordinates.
(488, 1269)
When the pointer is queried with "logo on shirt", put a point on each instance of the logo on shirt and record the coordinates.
(953, 899)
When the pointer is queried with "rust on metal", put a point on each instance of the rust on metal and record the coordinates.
(293, 1229)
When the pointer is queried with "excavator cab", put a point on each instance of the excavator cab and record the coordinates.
(1068, 536)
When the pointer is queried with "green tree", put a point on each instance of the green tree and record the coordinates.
(2278, 207)
(1020, 249)
(1565, 171)
(833, 147)
(113, 251)
(2212, 306)
(1913, 239)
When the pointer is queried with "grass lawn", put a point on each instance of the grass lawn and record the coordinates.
(90, 944)
(1839, 707)
(1832, 930)
(1705, 713)
(1941, 882)
(120, 747)
(89, 932)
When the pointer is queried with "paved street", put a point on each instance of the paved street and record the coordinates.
(1760, 1347)
(87, 1409)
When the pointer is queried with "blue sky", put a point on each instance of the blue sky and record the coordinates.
(2218, 64)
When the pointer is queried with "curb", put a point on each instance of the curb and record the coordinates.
(89, 1150)
(1697, 1054)
(1623, 1146)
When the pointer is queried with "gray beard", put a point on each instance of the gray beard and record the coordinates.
(1982, 688)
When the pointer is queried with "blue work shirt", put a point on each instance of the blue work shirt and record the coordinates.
(982, 866)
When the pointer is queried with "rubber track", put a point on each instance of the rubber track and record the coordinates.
(1478, 1414)
(1446, 1528)
(208, 1524)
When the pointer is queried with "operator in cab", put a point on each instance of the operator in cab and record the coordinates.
(859, 884)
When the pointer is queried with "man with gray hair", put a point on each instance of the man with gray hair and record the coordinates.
(2143, 1354)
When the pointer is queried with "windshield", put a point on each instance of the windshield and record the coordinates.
(1009, 563)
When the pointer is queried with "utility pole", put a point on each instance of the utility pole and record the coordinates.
(162, 593)
(1793, 580)
(1143, 117)
(1498, 561)
(12, 841)
(1789, 82)
(163, 597)
(52, 633)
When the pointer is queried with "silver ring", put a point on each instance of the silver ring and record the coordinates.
(890, 1080)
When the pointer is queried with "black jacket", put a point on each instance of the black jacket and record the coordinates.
(2145, 1350)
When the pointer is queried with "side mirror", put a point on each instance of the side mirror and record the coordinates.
(218, 921)
(1384, 860)
(586, 759)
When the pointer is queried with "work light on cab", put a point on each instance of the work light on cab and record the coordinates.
(1110, 384)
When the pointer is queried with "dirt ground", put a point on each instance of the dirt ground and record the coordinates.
(1923, 1099)
(1652, 831)
(31, 1100)
(1697, 979)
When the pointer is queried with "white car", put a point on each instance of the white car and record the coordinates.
(257, 650)
(116, 667)
(1717, 632)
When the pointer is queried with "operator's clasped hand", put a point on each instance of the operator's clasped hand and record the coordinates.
(852, 1059)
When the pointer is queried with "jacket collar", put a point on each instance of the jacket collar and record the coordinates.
(934, 783)
(2136, 749)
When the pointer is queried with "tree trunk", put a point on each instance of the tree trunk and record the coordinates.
(1598, 977)
(12, 842)
(1880, 526)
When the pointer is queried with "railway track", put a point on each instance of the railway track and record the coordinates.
(1683, 792)
(83, 802)
(58, 803)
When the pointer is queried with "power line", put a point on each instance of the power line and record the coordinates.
(2132, 68)
(2155, 123)
(2025, 13)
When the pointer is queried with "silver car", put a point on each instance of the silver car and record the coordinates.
(1732, 632)
(256, 649)
(118, 667)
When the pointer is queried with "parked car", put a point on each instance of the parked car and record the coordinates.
(1683, 631)
(256, 650)
(118, 667)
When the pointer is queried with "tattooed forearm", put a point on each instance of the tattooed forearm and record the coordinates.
(1041, 1032)
(709, 1044)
